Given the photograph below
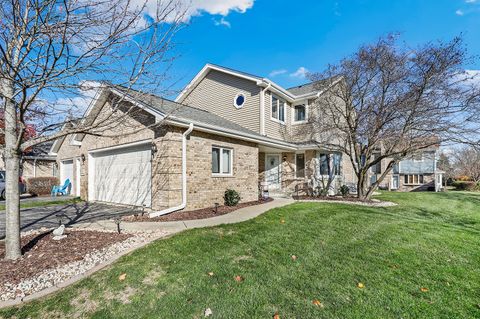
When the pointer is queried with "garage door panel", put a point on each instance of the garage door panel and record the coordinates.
(124, 176)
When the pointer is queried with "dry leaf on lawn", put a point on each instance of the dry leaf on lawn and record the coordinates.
(238, 278)
(122, 277)
(360, 285)
(317, 303)
(294, 257)
(423, 289)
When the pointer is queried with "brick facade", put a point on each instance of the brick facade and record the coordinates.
(203, 189)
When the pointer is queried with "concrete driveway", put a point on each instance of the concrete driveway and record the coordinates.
(37, 217)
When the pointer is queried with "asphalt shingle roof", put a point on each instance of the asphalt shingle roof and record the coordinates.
(315, 86)
(186, 113)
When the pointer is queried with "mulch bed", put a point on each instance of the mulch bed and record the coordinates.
(41, 252)
(194, 214)
(333, 198)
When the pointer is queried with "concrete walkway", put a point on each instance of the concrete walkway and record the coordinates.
(237, 216)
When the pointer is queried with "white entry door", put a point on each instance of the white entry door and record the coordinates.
(272, 171)
(66, 171)
(123, 175)
(395, 180)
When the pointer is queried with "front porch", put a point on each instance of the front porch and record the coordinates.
(283, 172)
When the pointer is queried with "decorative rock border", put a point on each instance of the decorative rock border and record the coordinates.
(52, 280)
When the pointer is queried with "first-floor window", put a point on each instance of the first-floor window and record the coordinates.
(300, 165)
(413, 179)
(330, 163)
(221, 160)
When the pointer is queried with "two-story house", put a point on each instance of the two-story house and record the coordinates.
(226, 130)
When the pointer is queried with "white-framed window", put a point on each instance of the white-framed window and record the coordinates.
(300, 165)
(222, 164)
(239, 100)
(330, 163)
(278, 109)
(300, 113)
(413, 179)
(376, 168)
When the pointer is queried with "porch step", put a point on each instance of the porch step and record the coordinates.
(279, 195)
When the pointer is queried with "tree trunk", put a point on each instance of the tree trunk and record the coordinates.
(12, 164)
(361, 189)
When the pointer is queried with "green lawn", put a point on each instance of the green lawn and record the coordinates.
(429, 241)
(31, 204)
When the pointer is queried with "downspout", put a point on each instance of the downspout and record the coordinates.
(184, 178)
(35, 167)
(262, 109)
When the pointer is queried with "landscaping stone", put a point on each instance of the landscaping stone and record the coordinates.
(53, 276)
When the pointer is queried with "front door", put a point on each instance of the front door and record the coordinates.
(395, 182)
(272, 171)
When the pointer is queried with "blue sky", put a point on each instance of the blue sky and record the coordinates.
(263, 36)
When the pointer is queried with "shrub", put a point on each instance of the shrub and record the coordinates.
(344, 190)
(41, 185)
(466, 186)
(231, 197)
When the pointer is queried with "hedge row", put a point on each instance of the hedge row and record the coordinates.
(41, 185)
(466, 185)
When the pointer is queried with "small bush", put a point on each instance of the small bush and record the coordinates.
(466, 186)
(41, 185)
(344, 190)
(231, 197)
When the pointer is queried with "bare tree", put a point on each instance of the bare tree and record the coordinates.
(387, 102)
(48, 48)
(467, 163)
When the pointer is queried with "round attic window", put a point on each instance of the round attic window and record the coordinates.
(239, 100)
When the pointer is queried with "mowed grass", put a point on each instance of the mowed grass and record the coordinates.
(429, 241)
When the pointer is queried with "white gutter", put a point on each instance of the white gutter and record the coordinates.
(262, 109)
(184, 178)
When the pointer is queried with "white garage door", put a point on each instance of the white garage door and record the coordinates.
(123, 176)
(66, 171)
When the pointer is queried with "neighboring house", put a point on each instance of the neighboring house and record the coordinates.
(416, 173)
(226, 130)
(36, 162)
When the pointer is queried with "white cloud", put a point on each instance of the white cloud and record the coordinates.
(471, 1)
(191, 8)
(472, 77)
(301, 73)
(222, 22)
(77, 104)
(274, 73)
(459, 12)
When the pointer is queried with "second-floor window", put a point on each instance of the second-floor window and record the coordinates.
(299, 113)
(377, 168)
(278, 109)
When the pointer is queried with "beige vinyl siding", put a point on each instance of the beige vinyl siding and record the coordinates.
(216, 92)
(304, 132)
(273, 128)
